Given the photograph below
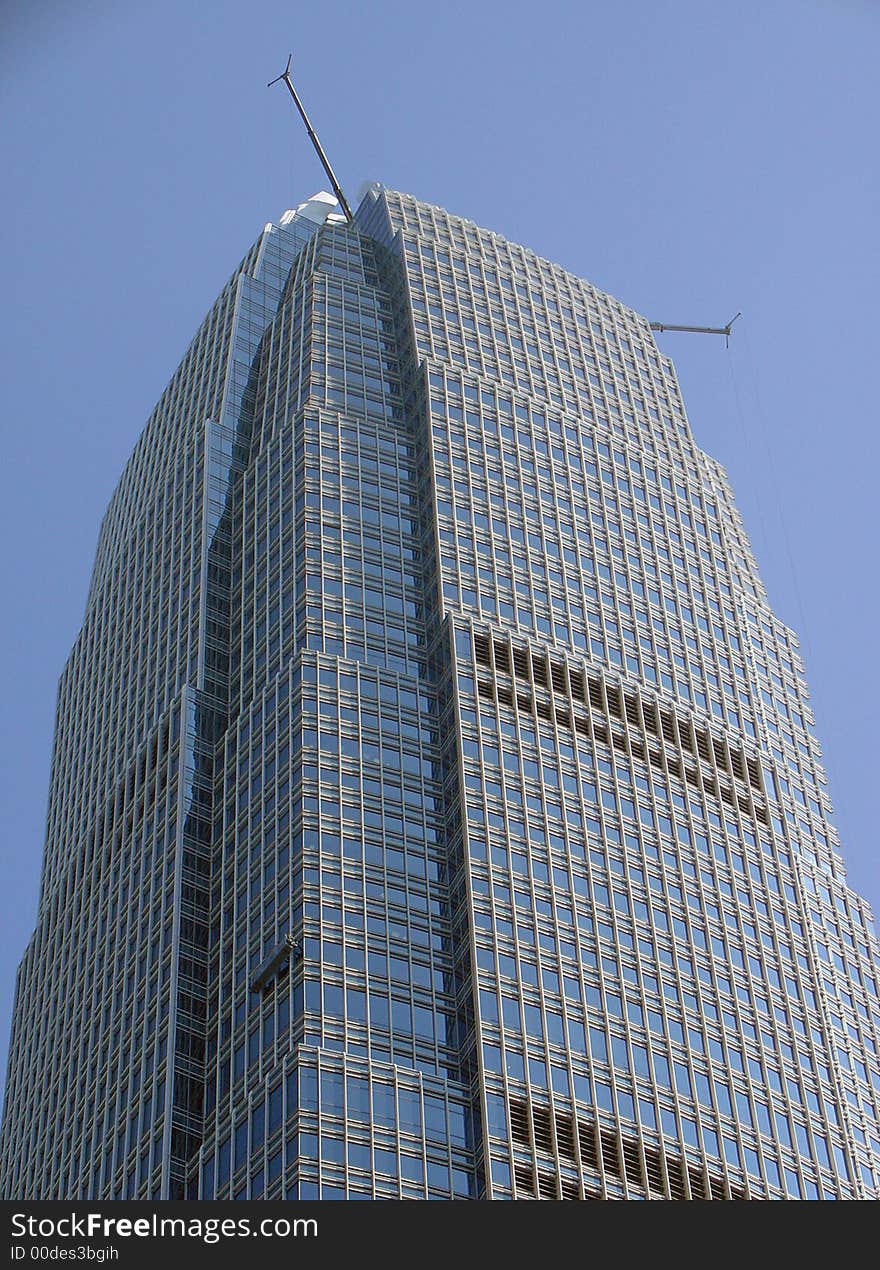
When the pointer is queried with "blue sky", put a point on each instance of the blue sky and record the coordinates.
(693, 158)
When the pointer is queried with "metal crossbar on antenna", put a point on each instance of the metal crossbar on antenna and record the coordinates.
(337, 188)
(698, 330)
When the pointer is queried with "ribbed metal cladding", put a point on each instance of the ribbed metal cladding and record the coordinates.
(435, 809)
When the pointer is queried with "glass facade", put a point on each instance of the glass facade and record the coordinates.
(435, 810)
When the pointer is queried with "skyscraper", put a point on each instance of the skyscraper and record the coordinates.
(435, 810)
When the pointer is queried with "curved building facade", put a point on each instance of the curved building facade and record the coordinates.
(435, 810)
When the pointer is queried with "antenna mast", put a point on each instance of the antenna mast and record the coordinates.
(337, 188)
(699, 330)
